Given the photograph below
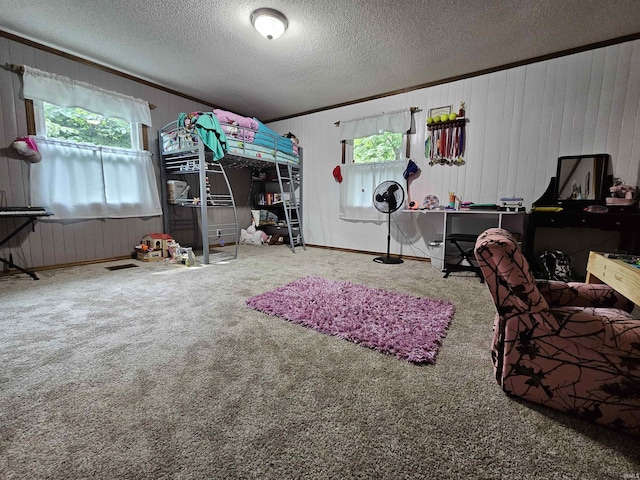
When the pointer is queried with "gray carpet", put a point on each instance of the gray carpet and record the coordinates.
(160, 371)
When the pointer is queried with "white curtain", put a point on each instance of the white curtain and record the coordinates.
(398, 121)
(358, 184)
(360, 180)
(84, 181)
(78, 180)
(59, 90)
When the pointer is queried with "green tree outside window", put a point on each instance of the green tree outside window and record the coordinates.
(79, 125)
(385, 147)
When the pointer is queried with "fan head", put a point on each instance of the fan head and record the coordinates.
(388, 196)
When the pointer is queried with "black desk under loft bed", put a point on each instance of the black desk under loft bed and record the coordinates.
(30, 214)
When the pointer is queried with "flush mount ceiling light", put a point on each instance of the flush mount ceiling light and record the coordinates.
(270, 23)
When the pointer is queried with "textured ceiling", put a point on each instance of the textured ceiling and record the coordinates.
(335, 51)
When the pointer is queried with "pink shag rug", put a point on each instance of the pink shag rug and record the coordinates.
(411, 328)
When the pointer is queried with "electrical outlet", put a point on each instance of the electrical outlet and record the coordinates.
(218, 232)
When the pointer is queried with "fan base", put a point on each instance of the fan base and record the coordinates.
(388, 260)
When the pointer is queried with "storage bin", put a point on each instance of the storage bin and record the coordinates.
(435, 251)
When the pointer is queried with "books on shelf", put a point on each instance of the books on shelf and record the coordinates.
(270, 198)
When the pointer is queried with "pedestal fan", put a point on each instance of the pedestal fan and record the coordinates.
(387, 198)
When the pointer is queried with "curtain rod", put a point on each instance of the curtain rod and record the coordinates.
(412, 109)
(20, 69)
(14, 68)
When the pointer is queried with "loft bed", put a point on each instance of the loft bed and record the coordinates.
(205, 143)
(243, 139)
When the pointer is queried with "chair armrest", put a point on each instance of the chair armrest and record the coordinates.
(607, 330)
(560, 294)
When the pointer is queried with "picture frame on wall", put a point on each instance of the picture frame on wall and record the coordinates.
(436, 112)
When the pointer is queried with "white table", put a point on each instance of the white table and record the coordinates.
(440, 223)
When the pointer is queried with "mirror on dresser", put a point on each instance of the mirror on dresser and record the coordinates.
(582, 179)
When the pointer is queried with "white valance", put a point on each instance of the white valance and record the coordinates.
(398, 121)
(63, 91)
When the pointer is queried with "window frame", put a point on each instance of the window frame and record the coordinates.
(36, 123)
(146, 204)
(360, 179)
(404, 142)
(40, 127)
(347, 150)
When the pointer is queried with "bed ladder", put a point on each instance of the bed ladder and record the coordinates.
(289, 180)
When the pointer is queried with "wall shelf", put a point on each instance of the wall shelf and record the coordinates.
(448, 124)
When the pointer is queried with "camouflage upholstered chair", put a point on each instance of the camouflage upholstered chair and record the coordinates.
(573, 347)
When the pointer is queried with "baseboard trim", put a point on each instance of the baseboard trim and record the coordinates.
(128, 257)
(367, 252)
(65, 265)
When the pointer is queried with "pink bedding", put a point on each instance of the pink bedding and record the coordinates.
(251, 130)
(235, 119)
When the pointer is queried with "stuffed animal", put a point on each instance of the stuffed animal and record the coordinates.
(26, 146)
(293, 138)
(253, 236)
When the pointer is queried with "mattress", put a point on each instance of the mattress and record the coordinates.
(240, 141)
(236, 147)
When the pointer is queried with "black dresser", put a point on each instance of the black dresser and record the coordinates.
(625, 220)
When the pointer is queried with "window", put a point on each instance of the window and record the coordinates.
(359, 182)
(372, 153)
(384, 147)
(93, 164)
(79, 125)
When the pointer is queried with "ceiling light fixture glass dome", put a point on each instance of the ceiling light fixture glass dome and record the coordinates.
(270, 23)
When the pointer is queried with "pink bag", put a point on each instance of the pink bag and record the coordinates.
(27, 147)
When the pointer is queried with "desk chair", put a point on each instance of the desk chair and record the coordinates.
(466, 258)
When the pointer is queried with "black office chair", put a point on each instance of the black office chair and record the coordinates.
(466, 258)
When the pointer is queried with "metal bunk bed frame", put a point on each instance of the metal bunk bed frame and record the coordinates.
(197, 160)
(174, 161)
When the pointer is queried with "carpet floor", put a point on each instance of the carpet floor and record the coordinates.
(162, 372)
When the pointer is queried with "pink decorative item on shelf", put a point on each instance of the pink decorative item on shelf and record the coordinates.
(621, 194)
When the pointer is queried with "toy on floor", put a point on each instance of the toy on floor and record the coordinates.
(183, 255)
(277, 239)
(253, 236)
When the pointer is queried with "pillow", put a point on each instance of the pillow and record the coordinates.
(255, 214)
(264, 217)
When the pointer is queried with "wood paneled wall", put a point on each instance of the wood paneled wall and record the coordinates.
(59, 243)
(520, 121)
